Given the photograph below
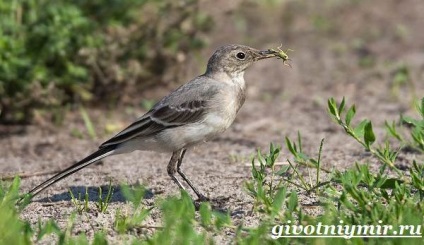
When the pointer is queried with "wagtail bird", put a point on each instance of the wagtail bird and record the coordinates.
(195, 112)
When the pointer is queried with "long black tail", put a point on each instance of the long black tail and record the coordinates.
(94, 157)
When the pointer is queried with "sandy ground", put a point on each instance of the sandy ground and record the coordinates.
(330, 60)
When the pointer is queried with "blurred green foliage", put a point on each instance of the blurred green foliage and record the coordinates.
(12, 229)
(54, 52)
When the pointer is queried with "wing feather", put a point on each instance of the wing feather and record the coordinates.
(161, 118)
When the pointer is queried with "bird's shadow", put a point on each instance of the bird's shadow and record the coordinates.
(79, 192)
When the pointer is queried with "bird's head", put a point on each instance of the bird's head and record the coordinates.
(234, 59)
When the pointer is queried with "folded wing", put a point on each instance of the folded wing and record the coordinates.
(160, 118)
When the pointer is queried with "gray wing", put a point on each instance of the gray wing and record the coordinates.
(186, 105)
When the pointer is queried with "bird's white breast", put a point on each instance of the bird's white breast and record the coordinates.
(227, 104)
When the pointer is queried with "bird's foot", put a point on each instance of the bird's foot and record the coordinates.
(202, 198)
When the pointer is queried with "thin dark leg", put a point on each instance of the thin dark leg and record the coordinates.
(172, 167)
(180, 161)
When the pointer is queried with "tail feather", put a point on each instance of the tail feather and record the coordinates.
(94, 157)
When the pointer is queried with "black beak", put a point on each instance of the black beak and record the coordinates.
(265, 54)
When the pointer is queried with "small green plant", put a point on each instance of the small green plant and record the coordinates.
(178, 222)
(303, 159)
(77, 133)
(124, 221)
(88, 123)
(239, 158)
(48, 227)
(65, 236)
(363, 133)
(80, 204)
(134, 194)
(180, 225)
(401, 78)
(13, 230)
(269, 190)
(415, 126)
(363, 197)
(263, 187)
(10, 224)
(103, 204)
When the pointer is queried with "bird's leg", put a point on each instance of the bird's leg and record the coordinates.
(180, 161)
(172, 167)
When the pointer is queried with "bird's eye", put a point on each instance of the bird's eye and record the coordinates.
(241, 55)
